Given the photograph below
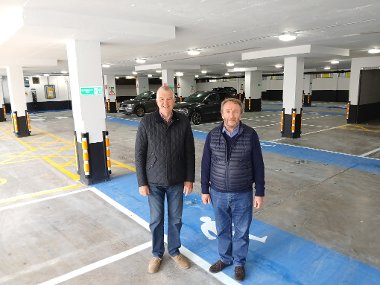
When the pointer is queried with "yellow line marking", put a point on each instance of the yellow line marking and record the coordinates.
(361, 128)
(3, 181)
(123, 165)
(38, 194)
(61, 168)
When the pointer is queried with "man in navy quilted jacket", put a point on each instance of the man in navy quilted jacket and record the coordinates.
(165, 165)
(232, 162)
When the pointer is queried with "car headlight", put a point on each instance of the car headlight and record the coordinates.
(130, 105)
(184, 111)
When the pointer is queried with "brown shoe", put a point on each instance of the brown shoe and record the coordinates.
(218, 266)
(181, 261)
(239, 273)
(154, 264)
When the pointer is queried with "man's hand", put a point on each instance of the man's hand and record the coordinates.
(187, 187)
(258, 202)
(206, 199)
(144, 190)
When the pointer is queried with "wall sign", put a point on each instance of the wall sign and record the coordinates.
(91, 91)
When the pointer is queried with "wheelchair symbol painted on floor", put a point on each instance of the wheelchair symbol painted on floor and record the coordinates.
(209, 230)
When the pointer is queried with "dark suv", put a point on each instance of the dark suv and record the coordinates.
(230, 90)
(143, 103)
(202, 106)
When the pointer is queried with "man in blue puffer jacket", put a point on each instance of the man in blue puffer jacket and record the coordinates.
(232, 162)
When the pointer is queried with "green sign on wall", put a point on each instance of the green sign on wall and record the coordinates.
(91, 91)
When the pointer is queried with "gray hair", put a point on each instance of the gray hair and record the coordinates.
(164, 89)
(233, 100)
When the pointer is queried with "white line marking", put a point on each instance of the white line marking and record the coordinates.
(97, 264)
(370, 152)
(18, 205)
(222, 277)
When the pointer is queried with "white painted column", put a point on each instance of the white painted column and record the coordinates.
(307, 84)
(84, 58)
(168, 78)
(110, 93)
(292, 96)
(252, 90)
(142, 84)
(21, 123)
(187, 85)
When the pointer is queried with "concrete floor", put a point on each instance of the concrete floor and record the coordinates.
(52, 225)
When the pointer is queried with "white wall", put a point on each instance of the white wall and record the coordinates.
(130, 90)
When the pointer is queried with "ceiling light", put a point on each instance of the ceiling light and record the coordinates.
(204, 71)
(193, 52)
(196, 75)
(286, 37)
(161, 77)
(334, 61)
(178, 73)
(150, 75)
(278, 65)
(106, 65)
(140, 60)
(158, 71)
(117, 77)
(46, 74)
(129, 77)
(230, 64)
(374, 51)
(327, 68)
(226, 74)
(64, 71)
(239, 69)
(134, 72)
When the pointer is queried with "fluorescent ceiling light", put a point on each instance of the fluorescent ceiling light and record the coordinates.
(161, 77)
(150, 75)
(334, 61)
(46, 74)
(178, 73)
(239, 69)
(286, 37)
(374, 51)
(279, 65)
(129, 77)
(158, 71)
(193, 52)
(226, 74)
(140, 60)
(117, 77)
(64, 71)
(134, 72)
(204, 71)
(327, 68)
(230, 64)
(106, 65)
(196, 75)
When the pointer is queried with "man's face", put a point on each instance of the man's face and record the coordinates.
(165, 102)
(231, 115)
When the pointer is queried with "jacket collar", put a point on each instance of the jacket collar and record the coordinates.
(159, 119)
(241, 128)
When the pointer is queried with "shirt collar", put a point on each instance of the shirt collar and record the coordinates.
(233, 133)
(170, 118)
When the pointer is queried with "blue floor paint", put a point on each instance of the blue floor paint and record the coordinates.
(284, 258)
(345, 161)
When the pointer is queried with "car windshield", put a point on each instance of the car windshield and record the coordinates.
(196, 97)
(144, 95)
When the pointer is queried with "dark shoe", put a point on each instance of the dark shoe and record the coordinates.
(218, 266)
(239, 273)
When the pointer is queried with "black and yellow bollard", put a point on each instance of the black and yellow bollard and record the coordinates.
(21, 124)
(291, 123)
(3, 114)
(107, 152)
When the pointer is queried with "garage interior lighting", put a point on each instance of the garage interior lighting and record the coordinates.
(178, 73)
(226, 74)
(150, 75)
(327, 68)
(134, 72)
(129, 77)
(193, 52)
(374, 51)
(140, 60)
(204, 71)
(278, 65)
(106, 65)
(64, 71)
(230, 64)
(287, 37)
(196, 75)
(158, 71)
(334, 61)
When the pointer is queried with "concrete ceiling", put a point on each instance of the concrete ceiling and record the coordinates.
(162, 31)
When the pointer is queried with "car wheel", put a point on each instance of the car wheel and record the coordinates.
(196, 118)
(140, 112)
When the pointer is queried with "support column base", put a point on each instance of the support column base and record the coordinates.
(252, 105)
(112, 107)
(22, 129)
(306, 101)
(3, 116)
(287, 126)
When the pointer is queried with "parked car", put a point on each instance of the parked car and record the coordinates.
(229, 90)
(202, 106)
(145, 102)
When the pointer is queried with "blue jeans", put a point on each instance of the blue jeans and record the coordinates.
(174, 196)
(232, 208)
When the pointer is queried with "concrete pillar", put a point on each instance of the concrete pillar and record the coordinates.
(110, 93)
(3, 113)
(186, 85)
(253, 81)
(92, 144)
(292, 97)
(168, 78)
(363, 107)
(307, 82)
(20, 116)
(142, 84)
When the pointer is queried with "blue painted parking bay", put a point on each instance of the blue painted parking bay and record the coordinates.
(275, 256)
